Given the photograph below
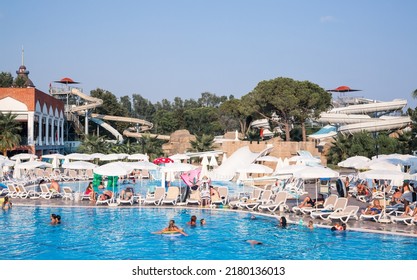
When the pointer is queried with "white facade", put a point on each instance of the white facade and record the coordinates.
(45, 126)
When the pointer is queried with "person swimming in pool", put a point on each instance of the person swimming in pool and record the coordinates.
(171, 228)
(193, 221)
(253, 242)
(7, 204)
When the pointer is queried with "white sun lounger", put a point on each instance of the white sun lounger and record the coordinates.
(157, 196)
(172, 196)
(265, 198)
(328, 204)
(324, 214)
(280, 200)
(256, 194)
(346, 214)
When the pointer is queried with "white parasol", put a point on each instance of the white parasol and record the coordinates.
(139, 157)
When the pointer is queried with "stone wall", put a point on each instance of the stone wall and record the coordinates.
(180, 143)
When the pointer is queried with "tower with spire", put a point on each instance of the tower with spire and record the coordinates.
(23, 74)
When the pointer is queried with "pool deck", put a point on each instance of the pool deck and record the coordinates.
(357, 225)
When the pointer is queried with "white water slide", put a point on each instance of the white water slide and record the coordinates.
(355, 118)
(92, 102)
(238, 160)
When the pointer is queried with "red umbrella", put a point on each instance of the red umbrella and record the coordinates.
(343, 89)
(162, 160)
(66, 81)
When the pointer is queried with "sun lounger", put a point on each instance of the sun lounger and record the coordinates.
(47, 193)
(128, 197)
(404, 219)
(195, 198)
(376, 216)
(400, 217)
(253, 205)
(280, 200)
(172, 196)
(223, 197)
(324, 214)
(107, 200)
(328, 204)
(12, 191)
(67, 193)
(157, 196)
(23, 192)
(256, 194)
(346, 214)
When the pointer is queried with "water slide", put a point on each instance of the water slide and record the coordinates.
(238, 160)
(92, 102)
(357, 117)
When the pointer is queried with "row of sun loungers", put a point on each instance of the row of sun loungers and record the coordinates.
(22, 191)
(262, 200)
(333, 208)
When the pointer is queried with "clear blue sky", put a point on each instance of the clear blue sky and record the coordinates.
(162, 49)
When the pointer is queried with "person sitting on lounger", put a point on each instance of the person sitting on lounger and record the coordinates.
(362, 189)
(106, 195)
(374, 208)
(127, 193)
(90, 191)
(307, 202)
(396, 197)
(54, 187)
(214, 194)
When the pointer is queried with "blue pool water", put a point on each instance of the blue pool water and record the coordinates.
(126, 233)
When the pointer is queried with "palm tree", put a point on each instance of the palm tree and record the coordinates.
(93, 144)
(202, 143)
(9, 132)
(151, 146)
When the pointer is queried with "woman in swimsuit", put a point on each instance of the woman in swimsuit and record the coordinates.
(172, 228)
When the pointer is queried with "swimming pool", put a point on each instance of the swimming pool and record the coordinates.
(126, 233)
